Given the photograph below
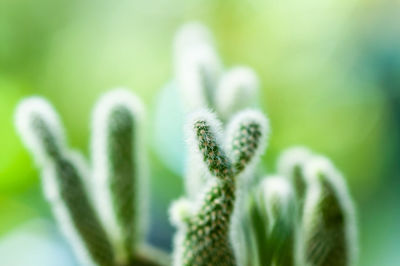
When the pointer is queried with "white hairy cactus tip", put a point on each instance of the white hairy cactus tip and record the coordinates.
(196, 173)
(197, 66)
(40, 128)
(319, 169)
(237, 89)
(291, 165)
(247, 138)
(210, 118)
(292, 158)
(278, 197)
(190, 34)
(104, 172)
(324, 180)
(180, 211)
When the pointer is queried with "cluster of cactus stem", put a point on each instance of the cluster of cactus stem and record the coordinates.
(303, 215)
(96, 204)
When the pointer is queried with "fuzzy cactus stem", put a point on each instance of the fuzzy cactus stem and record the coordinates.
(207, 237)
(64, 175)
(328, 229)
(214, 157)
(205, 234)
(115, 150)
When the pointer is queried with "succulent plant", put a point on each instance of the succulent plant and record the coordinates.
(204, 232)
(270, 221)
(303, 215)
(98, 206)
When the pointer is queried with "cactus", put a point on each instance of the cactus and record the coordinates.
(304, 215)
(97, 209)
(268, 220)
(328, 228)
(201, 79)
(197, 66)
(203, 83)
(279, 199)
(237, 90)
(117, 170)
(269, 214)
(318, 230)
(203, 237)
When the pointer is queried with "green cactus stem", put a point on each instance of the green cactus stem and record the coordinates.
(203, 237)
(118, 169)
(64, 178)
(328, 226)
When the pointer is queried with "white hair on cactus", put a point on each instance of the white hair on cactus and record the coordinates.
(204, 180)
(190, 134)
(318, 165)
(196, 60)
(291, 158)
(278, 196)
(99, 146)
(180, 211)
(237, 89)
(60, 210)
(321, 167)
(178, 247)
(190, 34)
(195, 175)
(247, 117)
(26, 112)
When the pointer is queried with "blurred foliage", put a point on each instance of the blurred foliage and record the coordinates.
(330, 74)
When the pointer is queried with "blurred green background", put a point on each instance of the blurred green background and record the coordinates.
(330, 72)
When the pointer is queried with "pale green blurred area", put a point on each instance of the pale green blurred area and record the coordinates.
(330, 73)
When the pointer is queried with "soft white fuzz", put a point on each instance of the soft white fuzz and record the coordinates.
(196, 175)
(195, 182)
(191, 34)
(237, 89)
(180, 211)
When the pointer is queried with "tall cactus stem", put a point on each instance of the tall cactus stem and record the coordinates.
(65, 176)
(118, 169)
